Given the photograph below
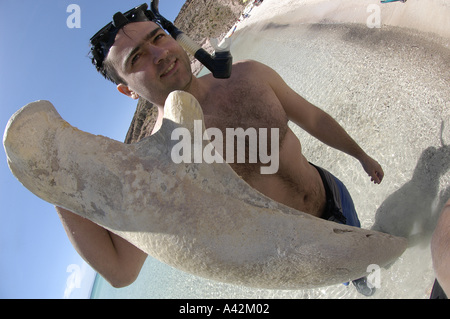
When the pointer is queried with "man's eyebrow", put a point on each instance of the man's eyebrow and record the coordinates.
(149, 36)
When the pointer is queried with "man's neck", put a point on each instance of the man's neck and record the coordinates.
(198, 87)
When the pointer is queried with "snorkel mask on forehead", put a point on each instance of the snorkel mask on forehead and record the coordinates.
(219, 63)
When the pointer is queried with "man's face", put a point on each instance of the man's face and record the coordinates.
(150, 61)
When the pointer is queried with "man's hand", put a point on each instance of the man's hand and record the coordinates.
(373, 169)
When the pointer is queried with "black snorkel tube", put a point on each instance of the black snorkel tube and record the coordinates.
(219, 63)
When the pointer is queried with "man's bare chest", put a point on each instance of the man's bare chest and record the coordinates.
(257, 111)
(244, 106)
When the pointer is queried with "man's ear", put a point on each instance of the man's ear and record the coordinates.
(122, 88)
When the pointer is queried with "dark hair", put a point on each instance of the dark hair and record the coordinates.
(107, 70)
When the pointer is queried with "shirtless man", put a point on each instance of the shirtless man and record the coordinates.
(146, 62)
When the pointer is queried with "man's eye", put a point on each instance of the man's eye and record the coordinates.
(159, 36)
(135, 59)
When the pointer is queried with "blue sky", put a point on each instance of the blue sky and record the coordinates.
(41, 58)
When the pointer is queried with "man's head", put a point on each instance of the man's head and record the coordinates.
(138, 56)
(104, 39)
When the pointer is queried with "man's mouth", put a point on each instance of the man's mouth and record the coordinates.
(169, 69)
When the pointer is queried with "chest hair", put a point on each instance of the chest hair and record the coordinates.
(239, 104)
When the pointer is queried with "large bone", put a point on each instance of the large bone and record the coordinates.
(200, 218)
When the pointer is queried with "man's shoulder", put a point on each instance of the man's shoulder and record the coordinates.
(251, 68)
(246, 64)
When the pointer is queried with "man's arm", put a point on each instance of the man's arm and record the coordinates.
(440, 249)
(319, 124)
(118, 261)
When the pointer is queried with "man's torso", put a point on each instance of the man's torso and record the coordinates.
(253, 104)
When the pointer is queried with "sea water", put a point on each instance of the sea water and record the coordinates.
(390, 89)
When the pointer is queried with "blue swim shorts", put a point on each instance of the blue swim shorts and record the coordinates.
(348, 207)
(339, 207)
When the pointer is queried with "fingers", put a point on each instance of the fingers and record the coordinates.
(373, 169)
(377, 177)
(376, 173)
(379, 174)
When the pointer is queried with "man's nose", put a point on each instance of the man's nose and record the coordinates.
(159, 54)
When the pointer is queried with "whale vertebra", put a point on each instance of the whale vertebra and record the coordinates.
(201, 218)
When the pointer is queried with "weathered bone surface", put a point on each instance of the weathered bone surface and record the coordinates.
(200, 218)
